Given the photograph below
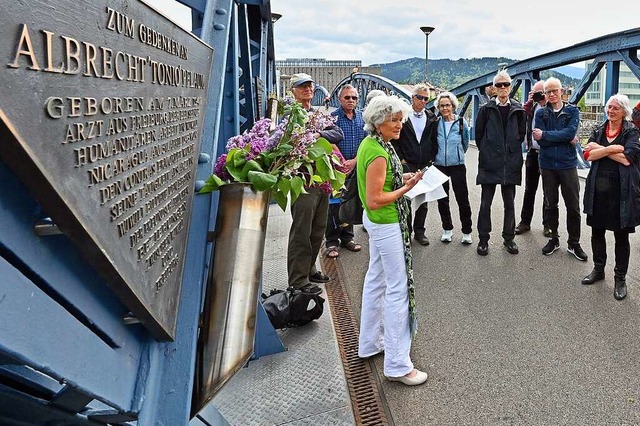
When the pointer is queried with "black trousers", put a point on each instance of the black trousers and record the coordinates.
(622, 250)
(335, 235)
(484, 216)
(531, 181)
(458, 175)
(567, 182)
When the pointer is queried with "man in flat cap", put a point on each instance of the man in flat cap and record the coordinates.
(309, 211)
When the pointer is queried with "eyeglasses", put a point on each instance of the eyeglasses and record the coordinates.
(444, 106)
(421, 97)
(502, 84)
(350, 98)
(551, 91)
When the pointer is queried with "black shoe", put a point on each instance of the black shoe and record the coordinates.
(593, 277)
(483, 248)
(310, 288)
(551, 246)
(422, 239)
(511, 246)
(577, 251)
(522, 228)
(620, 291)
(319, 278)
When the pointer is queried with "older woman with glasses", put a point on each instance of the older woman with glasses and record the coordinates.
(452, 138)
(612, 190)
(388, 320)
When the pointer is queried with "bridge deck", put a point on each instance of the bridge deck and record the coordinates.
(505, 339)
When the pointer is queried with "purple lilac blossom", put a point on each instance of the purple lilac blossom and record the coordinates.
(220, 169)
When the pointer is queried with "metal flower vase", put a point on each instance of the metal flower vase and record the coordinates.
(226, 338)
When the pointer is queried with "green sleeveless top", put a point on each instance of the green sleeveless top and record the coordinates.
(368, 151)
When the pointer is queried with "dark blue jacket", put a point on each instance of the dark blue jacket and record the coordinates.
(558, 130)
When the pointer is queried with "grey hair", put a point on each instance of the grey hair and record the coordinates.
(552, 80)
(372, 94)
(346, 87)
(623, 101)
(421, 87)
(380, 108)
(450, 96)
(502, 74)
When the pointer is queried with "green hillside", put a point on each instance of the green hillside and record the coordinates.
(447, 73)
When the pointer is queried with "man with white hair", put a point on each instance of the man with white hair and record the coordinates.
(556, 126)
(500, 128)
(416, 149)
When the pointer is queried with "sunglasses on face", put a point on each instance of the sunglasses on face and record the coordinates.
(352, 98)
(444, 106)
(421, 97)
(502, 84)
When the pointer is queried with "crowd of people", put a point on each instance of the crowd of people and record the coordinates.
(390, 145)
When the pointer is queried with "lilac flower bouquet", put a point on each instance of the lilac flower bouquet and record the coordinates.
(285, 160)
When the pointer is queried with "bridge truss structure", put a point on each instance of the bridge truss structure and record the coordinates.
(607, 51)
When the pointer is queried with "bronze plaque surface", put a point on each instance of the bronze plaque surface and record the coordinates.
(101, 115)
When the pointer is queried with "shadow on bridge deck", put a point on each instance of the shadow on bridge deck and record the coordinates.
(506, 339)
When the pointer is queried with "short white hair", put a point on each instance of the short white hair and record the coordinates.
(503, 75)
(623, 101)
(372, 94)
(450, 96)
(381, 108)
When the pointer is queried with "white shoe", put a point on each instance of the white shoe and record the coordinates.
(419, 378)
(466, 239)
(446, 236)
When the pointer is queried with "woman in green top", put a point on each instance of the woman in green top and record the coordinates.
(388, 320)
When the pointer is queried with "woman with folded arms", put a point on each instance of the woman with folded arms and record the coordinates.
(612, 190)
(388, 320)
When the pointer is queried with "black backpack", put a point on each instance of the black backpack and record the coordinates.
(292, 308)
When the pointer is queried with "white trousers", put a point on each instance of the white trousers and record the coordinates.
(384, 321)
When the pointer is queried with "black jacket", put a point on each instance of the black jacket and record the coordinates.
(629, 177)
(500, 145)
(417, 155)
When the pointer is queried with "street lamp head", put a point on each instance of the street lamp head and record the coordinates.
(427, 30)
(275, 17)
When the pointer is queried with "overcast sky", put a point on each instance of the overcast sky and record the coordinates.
(376, 31)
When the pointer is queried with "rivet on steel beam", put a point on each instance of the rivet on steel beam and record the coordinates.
(221, 11)
(45, 227)
(218, 27)
(203, 158)
(130, 319)
(229, 119)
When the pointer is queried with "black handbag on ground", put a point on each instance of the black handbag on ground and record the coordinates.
(351, 209)
(292, 308)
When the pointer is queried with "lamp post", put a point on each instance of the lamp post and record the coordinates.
(275, 17)
(426, 31)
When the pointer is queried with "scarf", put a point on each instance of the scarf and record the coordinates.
(404, 212)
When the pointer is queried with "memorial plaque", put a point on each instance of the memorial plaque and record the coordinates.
(101, 115)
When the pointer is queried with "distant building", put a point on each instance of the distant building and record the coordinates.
(628, 85)
(327, 73)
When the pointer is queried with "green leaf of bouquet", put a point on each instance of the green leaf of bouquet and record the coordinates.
(284, 185)
(280, 198)
(338, 182)
(319, 148)
(261, 181)
(251, 165)
(324, 168)
(211, 184)
(297, 186)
